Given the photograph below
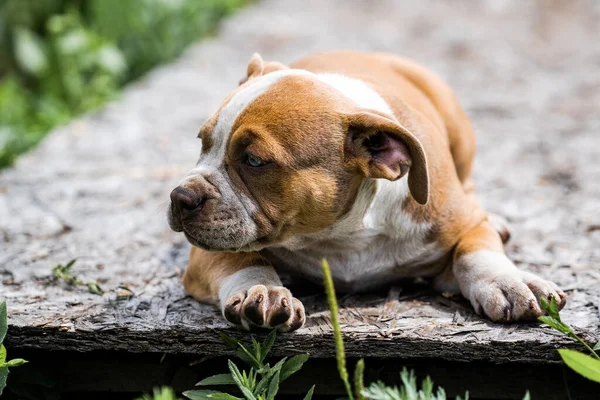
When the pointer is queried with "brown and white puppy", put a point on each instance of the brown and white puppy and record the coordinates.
(363, 159)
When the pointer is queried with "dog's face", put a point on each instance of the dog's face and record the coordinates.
(285, 155)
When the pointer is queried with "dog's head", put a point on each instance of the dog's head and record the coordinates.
(285, 155)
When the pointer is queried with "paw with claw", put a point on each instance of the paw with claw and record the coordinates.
(499, 290)
(514, 296)
(265, 307)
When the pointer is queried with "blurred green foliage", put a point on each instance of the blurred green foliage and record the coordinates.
(60, 58)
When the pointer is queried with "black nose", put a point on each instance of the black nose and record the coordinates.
(185, 200)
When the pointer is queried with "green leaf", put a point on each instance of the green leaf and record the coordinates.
(584, 365)
(427, 387)
(3, 376)
(235, 373)
(278, 367)
(310, 393)
(556, 324)
(256, 349)
(220, 379)
(239, 380)
(597, 346)
(224, 396)
(267, 345)
(527, 396)
(29, 52)
(208, 394)
(292, 366)
(16, 362)
(551, 307)
(2, 354)
(3, 321)
(273, 387)
(409, 380)
(268, 375)
(94, 288)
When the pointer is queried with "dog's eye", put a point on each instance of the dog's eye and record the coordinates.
(254, 161)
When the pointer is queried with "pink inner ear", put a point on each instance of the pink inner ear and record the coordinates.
(388, 151)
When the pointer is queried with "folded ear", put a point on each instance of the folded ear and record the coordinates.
(257, 67)
(382, 148)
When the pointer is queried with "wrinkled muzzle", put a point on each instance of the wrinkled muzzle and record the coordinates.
(212, 216)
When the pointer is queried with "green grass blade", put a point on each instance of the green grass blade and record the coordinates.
(584, 365)
(340, 354)
(359, 379)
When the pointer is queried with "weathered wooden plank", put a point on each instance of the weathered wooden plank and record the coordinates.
(97, 189)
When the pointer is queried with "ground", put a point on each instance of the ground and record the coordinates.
(528, 75)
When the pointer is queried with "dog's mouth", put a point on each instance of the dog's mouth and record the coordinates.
(174, 223)
(194, 242)
(201, 238)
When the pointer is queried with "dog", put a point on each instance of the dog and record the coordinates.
(360, 158)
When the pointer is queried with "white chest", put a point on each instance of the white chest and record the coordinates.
(374, 262)
(374, 245)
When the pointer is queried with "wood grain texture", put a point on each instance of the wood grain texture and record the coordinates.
(528, 75)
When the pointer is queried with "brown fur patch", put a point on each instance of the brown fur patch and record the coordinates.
(481, 237)
(207, 269)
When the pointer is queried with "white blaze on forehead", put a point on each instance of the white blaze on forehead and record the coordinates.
(232, 110)
(363, 95)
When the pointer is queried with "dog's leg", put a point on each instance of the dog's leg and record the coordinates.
(491, 282)
(247, 289)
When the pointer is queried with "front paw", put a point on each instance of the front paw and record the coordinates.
(265, 307)
(513, 296)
